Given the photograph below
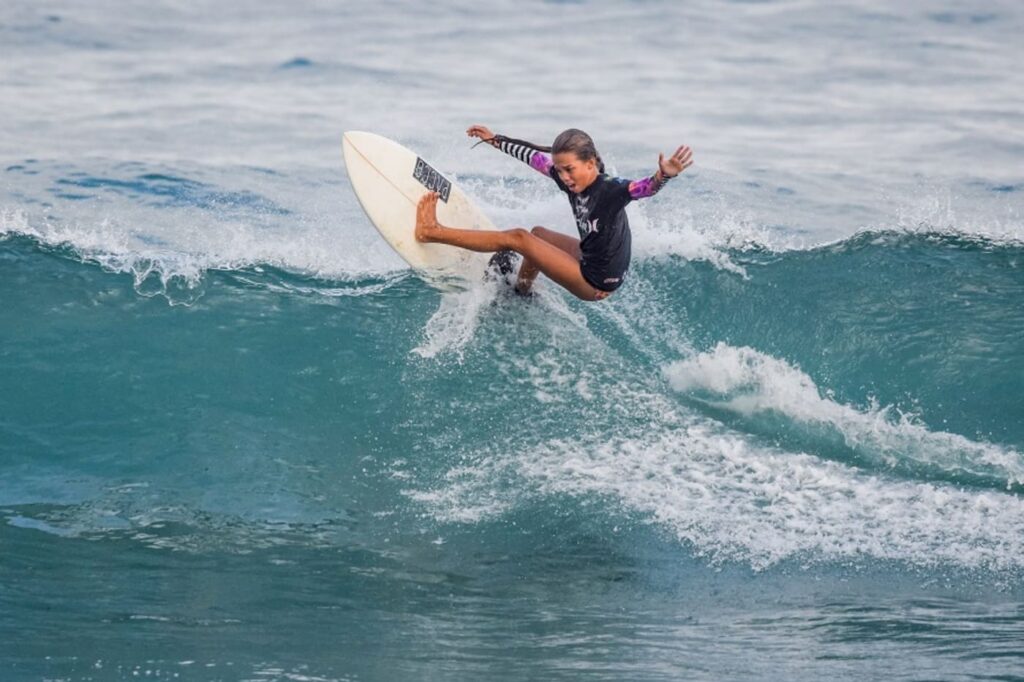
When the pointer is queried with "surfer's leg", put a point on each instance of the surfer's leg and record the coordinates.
(559, 266)
(528, 270)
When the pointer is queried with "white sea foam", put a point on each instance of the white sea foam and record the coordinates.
(748, 382)
(972, 212)
(462, 498)
(454, 323)
(13, 221)
(728, 495)
(695, 232)
(732, 500)
(169, 250)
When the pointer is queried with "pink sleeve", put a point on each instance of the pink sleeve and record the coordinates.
(541, 163)
(646, 187)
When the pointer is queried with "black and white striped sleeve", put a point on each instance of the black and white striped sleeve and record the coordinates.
(539, 161)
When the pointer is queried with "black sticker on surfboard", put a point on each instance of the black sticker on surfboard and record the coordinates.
(432, 180)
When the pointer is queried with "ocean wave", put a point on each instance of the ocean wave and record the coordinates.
(923, 236)
(182, 279)
(730, 499)
(571, 399)
(926, 323)
(596, 428)
(169, 225)
(749, 383)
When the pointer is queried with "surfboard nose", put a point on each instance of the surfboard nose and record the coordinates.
(349, 138)
(368, 145)
(360, 138)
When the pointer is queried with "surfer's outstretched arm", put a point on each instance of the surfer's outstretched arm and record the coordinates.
(560, 266)
(537, 160)
(667, 169)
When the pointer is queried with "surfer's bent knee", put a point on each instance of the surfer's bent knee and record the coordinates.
(517, 238)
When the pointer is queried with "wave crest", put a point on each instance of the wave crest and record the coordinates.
(749, 383)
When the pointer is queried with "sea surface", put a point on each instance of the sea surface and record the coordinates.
(240, 440)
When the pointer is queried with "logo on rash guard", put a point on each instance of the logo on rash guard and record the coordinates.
(583, 224)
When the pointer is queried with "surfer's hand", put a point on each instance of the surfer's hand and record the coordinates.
(482, 132)
(677, 163)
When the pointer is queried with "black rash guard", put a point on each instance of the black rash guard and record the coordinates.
(605, 239)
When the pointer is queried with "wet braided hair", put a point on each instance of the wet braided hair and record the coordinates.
(571, 140)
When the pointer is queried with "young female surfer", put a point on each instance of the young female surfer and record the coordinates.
(591, 267)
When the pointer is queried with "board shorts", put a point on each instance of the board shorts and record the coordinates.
(608, 282)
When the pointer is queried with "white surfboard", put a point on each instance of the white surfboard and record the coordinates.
(389, 180)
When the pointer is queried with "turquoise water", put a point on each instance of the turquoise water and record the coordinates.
(269, 479)
(239, 440)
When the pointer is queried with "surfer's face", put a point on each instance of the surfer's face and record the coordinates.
(576, 174)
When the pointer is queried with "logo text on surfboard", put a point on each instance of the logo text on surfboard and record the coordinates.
(432, 180)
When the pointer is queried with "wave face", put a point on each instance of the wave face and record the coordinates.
(919, 326)
(865, 364)
(740, 417)
(743, 418)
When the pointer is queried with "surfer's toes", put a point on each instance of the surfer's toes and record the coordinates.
(426, 217)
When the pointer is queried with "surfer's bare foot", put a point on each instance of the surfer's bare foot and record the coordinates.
(426, 218)
(524, 288)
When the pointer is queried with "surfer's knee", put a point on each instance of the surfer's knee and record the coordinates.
(518, 237)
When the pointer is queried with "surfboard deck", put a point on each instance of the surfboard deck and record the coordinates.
(389, 180)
